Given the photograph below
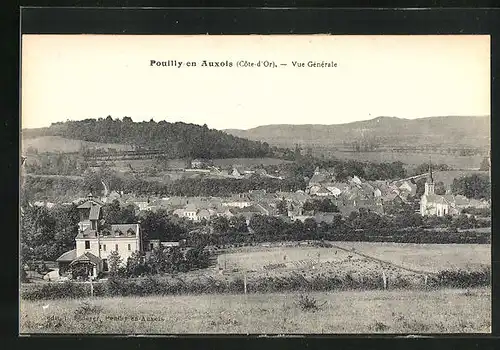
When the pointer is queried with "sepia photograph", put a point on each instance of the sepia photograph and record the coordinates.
(255, 184)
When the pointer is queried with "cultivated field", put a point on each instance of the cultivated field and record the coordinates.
(421, 257)
(442, 311)
(411, 159)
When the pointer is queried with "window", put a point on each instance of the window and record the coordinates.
(87, 244)
(151, 245)
(129, 248)
(105, 264)
(94, 225)
(116, 247)
(100, 247)
(104, 247)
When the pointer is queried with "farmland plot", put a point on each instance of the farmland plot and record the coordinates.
(315, 266)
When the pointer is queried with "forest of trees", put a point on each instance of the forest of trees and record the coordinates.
(343, 169)
(477, 186)
(424, 168)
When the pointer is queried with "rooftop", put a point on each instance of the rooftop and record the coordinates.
(68, 256)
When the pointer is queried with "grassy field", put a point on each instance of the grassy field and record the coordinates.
(427, 257)
(64, 145)
(397, 311)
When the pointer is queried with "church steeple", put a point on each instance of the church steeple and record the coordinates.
(429, 175)
(429, 184)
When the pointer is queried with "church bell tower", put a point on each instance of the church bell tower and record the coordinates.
(429, 184)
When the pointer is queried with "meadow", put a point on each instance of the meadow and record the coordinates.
(391, 311)
(427, 257)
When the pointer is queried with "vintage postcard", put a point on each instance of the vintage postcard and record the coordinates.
(274, 184)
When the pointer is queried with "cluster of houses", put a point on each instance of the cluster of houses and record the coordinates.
(348, 195)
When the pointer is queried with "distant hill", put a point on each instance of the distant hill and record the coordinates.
(453, 131)
(177, 140)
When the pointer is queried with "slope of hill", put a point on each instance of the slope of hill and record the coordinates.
(177, 140)
(382, 131)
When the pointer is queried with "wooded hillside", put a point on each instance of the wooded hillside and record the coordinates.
(178, 140)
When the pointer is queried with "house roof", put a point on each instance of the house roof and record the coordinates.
(190, 207)
(461, 200)
(178, 212)
(87, 233)
(94, 212)
(125, 230)
(323, 189)
(88, 203)
(87, 257)
(390, 196)
(205, 212)
(251, 209)
(325, 217)
(434, 198)
(345, 210)
(246, 214)
(317, 179)
(68, 256)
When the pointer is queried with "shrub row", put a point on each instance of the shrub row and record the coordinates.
(418, 236)
(158, 285)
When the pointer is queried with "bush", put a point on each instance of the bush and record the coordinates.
(23, 275)
(307, 303)
(464, 279)
(56, 291)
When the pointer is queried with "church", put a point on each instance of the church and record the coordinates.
(431, 203)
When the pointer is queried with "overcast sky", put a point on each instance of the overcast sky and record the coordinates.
(90, 76)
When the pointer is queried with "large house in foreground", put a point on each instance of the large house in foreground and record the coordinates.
(94, 243)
